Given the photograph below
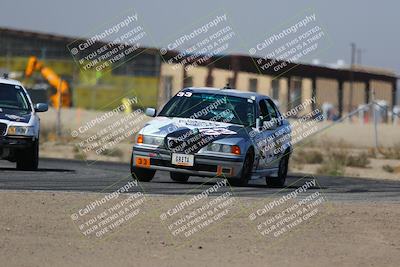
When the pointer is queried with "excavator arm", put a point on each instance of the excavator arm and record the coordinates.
(61, 86)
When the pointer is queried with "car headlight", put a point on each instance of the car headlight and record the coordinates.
(21, 130)
(214, 147)
(149, 140)
(226, 148)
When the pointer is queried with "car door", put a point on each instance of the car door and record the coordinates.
(267, 141)
(281, 137)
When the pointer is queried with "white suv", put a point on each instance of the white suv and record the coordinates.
(19, 125)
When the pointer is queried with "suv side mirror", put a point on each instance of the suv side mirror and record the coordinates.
(151, 112)
(41, 107)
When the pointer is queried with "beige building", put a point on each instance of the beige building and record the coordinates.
(345, 89)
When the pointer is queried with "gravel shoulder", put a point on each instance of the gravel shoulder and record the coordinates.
(36, 230)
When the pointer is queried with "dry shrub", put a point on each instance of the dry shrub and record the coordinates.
(308, 157)
(112, 153)
(332, 167)
(388, 168)
(360, 160)
(336, 160)
(391, 152)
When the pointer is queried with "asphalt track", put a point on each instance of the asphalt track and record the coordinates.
(80, 176)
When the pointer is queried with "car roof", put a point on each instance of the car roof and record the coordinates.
(223, 91)
(10, 81)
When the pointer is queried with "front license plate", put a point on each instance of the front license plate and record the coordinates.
(143, 162)
(182, 159)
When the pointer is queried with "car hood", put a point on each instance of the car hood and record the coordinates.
(182, 134)
(14, 115)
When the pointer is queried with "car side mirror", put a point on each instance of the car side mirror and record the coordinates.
(258, 123)
(151, 112)
(41, 107)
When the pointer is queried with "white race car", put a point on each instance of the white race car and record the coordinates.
(19, 125)
(214, 132)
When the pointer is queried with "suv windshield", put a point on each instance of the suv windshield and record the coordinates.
(13, 97)
(214, 107)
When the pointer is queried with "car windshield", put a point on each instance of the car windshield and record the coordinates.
(13, 97)
(214, 107)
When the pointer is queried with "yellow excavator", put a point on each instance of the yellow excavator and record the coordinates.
(62, 94)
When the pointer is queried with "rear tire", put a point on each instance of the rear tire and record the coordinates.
(282, 173)
(246, 170)
(140, 174)
(28, 159)
(179, 177)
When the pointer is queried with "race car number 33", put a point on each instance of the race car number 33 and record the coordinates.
(182, 159)
(143, 162)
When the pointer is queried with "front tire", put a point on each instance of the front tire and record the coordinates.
(282, 173)
(179, 177)
(246, 171)
(28, 159)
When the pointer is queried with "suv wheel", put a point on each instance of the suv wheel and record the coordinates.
(28, 159)
(179, 177)
(282, 173)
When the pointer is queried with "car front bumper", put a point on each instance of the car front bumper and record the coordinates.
(207, 165)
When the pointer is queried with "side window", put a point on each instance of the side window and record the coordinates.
(263, 109)
(268, 110)
(271, 109)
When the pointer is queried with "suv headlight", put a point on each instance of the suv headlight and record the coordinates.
(21, 130)
(214, 147)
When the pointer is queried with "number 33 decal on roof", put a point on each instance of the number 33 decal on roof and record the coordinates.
(187, 94)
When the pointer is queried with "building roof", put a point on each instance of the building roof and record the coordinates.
(39, 35)
(247, 63)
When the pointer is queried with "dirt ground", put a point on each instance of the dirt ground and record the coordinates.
(374, 170)
(36, 230)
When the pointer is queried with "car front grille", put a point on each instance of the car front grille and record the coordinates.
(3, 128)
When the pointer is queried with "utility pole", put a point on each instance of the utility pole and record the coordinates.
(58, 122)
(375, 114)
(353, 55)
(8, 58)
(359, 54)
(43, 52)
